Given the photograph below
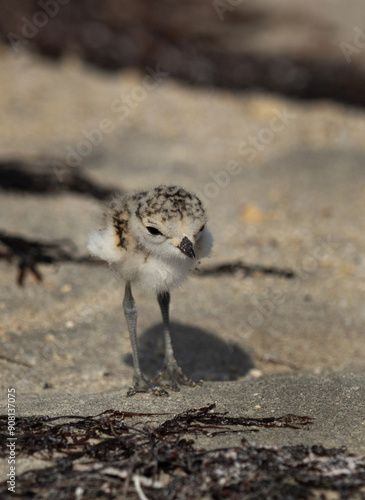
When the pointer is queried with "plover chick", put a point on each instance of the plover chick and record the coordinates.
(153, 239)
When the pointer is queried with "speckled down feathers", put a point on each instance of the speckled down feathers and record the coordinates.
(170, 201)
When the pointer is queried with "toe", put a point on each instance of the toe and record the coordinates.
(140, 384)
(158, 390)
(172, 377)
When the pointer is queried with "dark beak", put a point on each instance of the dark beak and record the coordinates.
(187, 248)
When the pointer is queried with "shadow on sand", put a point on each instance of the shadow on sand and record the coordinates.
(201, 355)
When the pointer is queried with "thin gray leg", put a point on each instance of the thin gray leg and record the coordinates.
(164, 302)
(130, 312)
(140, 384)
(171, 369)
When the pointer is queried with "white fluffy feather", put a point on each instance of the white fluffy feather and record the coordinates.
(103, 243)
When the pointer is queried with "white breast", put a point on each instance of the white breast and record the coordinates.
(153, 274)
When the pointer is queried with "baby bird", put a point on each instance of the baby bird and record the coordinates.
(153, 239)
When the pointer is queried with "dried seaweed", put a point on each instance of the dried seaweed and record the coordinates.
(109, 39)
(41, 178)
(27, 254)
(103, 456)
(203, 421)
(246, 270)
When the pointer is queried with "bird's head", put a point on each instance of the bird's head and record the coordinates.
(169, 222)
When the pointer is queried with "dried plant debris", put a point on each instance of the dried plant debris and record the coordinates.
(27, 254)
(185, 48)
(41, 177)
(104, 457)
(268, 358)
(246, 270)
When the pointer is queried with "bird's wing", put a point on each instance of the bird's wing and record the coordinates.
(110, 243)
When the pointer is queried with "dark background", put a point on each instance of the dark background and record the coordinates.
(278, 46)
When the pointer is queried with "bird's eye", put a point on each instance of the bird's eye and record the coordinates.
(153, 230)
(201, 229)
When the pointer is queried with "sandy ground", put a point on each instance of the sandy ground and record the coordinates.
(283, 182)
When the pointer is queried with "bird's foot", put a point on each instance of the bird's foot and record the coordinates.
(172, 376)
(140, 384)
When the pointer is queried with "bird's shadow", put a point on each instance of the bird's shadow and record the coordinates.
(201, 355)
